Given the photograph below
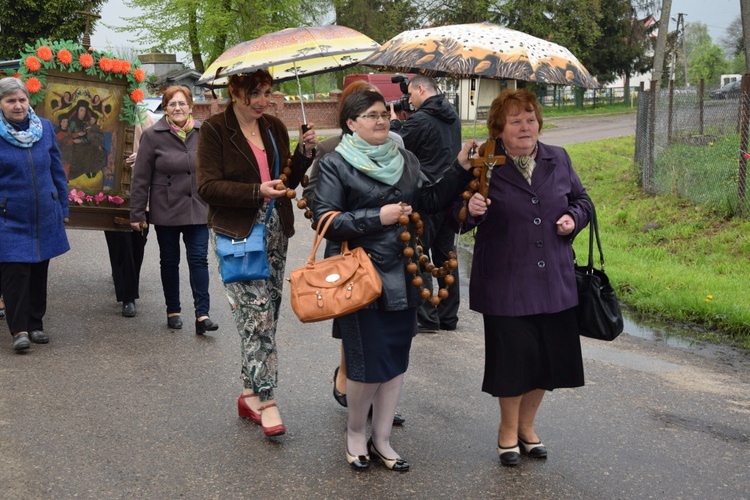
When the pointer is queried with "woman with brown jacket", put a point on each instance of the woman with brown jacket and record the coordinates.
(239, 153)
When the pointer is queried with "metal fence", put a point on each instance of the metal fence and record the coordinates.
(693, 146)
(559, 96)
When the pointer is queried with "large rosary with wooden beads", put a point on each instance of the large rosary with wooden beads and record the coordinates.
(291, 193)
(423, 260)
(482, 172)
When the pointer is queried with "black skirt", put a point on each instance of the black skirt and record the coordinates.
(377, 343)
(541, 351)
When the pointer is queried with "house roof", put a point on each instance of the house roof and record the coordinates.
(178, 74)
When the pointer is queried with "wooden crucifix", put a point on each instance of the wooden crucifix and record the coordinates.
(487, 163)
(86, 42)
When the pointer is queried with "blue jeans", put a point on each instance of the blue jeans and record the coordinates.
(196, 248)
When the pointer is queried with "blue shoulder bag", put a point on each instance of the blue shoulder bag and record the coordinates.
(246, 259)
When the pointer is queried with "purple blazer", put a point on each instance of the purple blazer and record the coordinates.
(521, 266)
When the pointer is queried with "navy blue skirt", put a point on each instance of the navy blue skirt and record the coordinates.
(377, 343)
(541, 351)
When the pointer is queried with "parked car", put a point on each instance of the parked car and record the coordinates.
(729, 91)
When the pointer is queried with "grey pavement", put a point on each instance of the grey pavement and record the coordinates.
(117, 407)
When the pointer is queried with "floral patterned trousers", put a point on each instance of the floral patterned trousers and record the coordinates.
(255, 307)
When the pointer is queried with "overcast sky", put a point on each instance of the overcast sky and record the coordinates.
(716, 14)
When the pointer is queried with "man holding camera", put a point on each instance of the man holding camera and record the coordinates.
(433, 134)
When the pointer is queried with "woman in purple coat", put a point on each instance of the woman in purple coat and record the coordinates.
(522, 277)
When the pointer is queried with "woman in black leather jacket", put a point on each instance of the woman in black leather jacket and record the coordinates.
(372, 183)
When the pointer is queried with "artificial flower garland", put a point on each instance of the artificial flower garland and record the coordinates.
(70, 56)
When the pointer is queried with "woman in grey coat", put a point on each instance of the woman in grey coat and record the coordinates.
(164, 179)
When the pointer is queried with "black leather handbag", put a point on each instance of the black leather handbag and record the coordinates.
(599, 313)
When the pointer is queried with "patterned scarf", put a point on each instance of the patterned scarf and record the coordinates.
(182, 132)
(524, 163)
(383, 163)
(21, 138)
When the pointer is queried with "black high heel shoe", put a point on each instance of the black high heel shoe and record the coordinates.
(338, 396)
(204, 326)
(174, 322)
(394, 464)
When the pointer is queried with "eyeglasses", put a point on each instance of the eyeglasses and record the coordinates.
(181, 104)
(373, 117)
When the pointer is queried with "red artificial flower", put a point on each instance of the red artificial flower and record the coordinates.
(44, 53)
(105, 64)
(125, 67)
(16, 75)
(139, 75)
(65, 57)
(116, 200)
(32, 64)
(137, 96)
(33, 85)
(116, 65)
(746, 156)
(86, 61)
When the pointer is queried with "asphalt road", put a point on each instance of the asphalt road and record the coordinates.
(126, 408)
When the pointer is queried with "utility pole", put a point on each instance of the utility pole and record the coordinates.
(661, 41)
(681, 23)
(745, 13)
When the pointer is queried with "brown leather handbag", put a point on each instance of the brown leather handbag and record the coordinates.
(336, 286)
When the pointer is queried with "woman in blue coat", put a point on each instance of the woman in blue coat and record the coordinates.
(33, 207)
(522, 276)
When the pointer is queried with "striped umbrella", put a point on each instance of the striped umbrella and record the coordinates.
(292, 53)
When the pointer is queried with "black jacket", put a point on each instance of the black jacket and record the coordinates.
(433, 134)
(359, 198)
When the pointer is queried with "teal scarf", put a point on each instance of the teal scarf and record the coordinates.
(21, 138)
(383, 163)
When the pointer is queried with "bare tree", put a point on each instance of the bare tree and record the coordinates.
(661, 42)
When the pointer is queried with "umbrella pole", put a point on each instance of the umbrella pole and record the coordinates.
(476, 114)
(302, 107)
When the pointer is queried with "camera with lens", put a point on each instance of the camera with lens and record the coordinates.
(402, 103)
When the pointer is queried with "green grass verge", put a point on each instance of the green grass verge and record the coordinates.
(668, 258)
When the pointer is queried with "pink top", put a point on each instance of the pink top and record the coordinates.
(262, 159)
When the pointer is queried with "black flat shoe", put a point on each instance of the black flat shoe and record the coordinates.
(21, 342)
(128, 308)
(204, 326)
(2, 313)
(338, 396)
(38, 337)
(509, 456)
(359, 463)
(174, 322)
(533, 450)
(394, 464)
